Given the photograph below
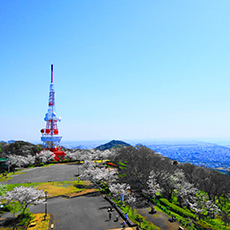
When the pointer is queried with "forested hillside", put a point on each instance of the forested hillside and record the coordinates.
(21, 148)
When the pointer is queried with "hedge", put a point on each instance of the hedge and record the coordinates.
(203, 224)
(177, 209)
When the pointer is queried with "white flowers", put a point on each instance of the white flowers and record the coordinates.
(117, 189)
(153, 186)
(21, 161)
(25, 196)
(98, 174)
(45, 156)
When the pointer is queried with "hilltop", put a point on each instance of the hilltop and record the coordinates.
(18, 148)
(112, 144)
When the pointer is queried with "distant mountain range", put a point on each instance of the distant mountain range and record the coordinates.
(112, 144)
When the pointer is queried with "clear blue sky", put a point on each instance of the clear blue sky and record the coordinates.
(123, 69)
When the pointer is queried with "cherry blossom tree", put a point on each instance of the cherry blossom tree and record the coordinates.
(20, 161)
(106, 154)
(45, 156)
(131, 201)
(202, 205)
(31, 159)
(116, 189)
(184, 190)
(153, 186)
(73, 156)
(26, 196)
(122, 190)
(98, 174)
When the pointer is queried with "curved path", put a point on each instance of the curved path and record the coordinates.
(160, 219)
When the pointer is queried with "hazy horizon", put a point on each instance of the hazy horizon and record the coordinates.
(217, 141)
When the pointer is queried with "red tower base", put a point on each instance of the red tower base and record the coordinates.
(58, 153)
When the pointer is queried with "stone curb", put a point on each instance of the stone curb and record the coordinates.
(128, 221)
(69, 197)
(51, 220)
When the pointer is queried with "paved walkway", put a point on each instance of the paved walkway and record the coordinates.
(58, 172)
(88, 212)
(160, 219)
(83, 213)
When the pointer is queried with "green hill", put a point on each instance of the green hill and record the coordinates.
(112, 144)
(18, 148)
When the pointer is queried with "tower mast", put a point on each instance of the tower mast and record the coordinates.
(49, 135)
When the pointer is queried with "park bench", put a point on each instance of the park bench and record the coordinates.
(152, 211)
(172, 219)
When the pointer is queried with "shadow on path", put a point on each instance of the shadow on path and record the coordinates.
(160, 219)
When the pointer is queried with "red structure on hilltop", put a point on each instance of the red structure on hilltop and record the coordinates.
(50, 138)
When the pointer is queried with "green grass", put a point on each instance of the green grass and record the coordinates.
(53, 188)
(177, 209)
(215, 224)
(9, 176)
(38, 219)
(133, 215)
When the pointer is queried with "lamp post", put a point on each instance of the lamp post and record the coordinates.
(8, 162)
(1, 206)
(45, 205)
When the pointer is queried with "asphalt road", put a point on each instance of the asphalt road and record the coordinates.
(59, 172)
(80, 213)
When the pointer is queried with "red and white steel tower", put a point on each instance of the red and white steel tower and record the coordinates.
(50, 137)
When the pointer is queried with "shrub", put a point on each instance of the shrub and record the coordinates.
(201, 224)
(30, 166)
(177, 209)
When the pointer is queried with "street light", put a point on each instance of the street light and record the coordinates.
(45, 205)
(8, 162)
(1, 206)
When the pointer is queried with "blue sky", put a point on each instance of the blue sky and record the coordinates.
(123, 69)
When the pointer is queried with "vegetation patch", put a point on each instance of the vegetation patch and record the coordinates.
(40, 223)
(8, 176)
(60, 188)
(56, 188)
(33, 221)
(177, 209)
(135, 217)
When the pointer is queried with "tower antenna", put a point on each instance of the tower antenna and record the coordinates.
(50, 138)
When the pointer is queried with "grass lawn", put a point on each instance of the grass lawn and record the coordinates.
(54, 188)
(37, 219)
(216, 224)
(41, 224)
(60, 188)
(9, 176)
(133, 215)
